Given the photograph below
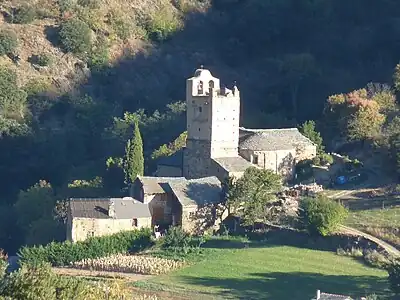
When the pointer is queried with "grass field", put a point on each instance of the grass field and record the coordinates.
(382, 223)
(276, 272)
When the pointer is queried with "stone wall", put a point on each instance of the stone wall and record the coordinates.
(198, 220)
(196, 159)
(168, 171)
(82, 228)
(308, 152)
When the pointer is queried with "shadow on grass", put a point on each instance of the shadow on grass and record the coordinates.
(297, 285)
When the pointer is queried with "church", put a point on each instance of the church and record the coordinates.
(187, 185)
(216, 145)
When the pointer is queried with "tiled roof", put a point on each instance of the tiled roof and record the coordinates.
(97, 208)
(127, 209)
(158, 185)
(174, 160)
(233, 164)
(197, 191)
(272, 139)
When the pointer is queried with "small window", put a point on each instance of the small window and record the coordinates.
(134, 222)
(255, 159)
(211, 84)
(200, 109)
(192, 214)
(90, 234)
(199, 129)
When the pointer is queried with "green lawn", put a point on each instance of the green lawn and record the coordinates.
(276, 272)
(382, 223)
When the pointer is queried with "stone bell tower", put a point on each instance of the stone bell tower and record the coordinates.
(212, 123)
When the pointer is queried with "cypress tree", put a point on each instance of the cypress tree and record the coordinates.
(134, 161)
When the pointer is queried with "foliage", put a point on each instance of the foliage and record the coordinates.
(322, 216)
(134, 161)
(326, 158)
(366, 123)
(24, 14)
(75, 36)
(3, 264)
(92, 4)
(99, 55)
(8, 41)
(248, 196)
(44, 60)
(139, 264)
(62, 254)
(304, 169)
(123, 27)
(176, 237)
(162, 23)
(394, 276)
(171, 148)
(309, 131)
(13, 108)
(39, 282)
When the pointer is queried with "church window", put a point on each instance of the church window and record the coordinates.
(200, 89)
(200, 109)
(255, 159)
(199, 128)
(211, 84)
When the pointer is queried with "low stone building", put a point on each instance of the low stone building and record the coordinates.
(178, 201)
(87, 217)
(217, 146)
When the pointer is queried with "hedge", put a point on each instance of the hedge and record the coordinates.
(65, 253)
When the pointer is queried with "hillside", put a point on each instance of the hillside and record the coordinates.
(83, 64)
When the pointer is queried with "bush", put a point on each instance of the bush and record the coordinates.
(321, 215)
(376, 259)
(162, 24)
(92, 4)
(75, 36)
(326, 158)
(24, 15)
(62, 254)
(39, 282)
(8, 42)
(176, 238)
(394, 276)
(44, 60)
(3, 263)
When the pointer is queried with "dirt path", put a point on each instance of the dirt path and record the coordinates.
(390, 249)
(105, 274)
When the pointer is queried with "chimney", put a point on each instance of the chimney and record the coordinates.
(318, 294)
(111, 209)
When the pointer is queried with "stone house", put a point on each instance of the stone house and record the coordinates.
(177, 201)
(89, 217)
(217, 146)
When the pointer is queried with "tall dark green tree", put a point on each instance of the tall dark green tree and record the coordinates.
(134, 160)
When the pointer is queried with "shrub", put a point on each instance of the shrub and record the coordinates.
(394, 276)
(376, 259)
(92, 4)
(61, 254)
(66, 5)
(8, 42)
(162, 24)
(123, 27)
(176, 237)
(39, 282)
(140, 264)
(44, 60)
(326, 158)
(3, 263)
(322, 216)
(24, 15)
(99, 56)
(76, 36)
